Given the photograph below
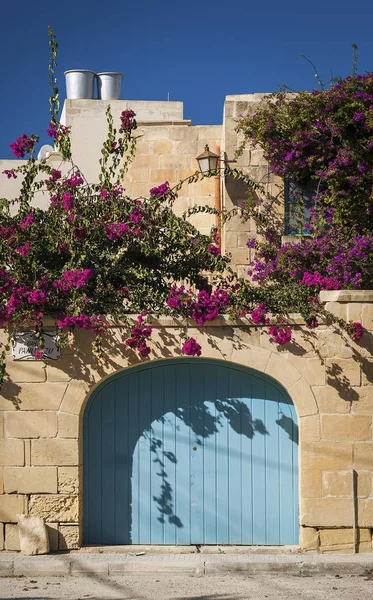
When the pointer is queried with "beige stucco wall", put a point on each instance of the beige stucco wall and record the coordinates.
(328, 377)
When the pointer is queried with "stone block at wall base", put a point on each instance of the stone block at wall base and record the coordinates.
(309, 539)
(11, 506)
(12, 537)
(345, 536)
(55, 508)
(2, 526)
(68, 537)
(52, 530)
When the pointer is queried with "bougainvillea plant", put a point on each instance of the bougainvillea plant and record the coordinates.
(321, 141)
(96, 252)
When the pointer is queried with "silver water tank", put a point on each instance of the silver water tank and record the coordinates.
(80, 84)
(109, 85)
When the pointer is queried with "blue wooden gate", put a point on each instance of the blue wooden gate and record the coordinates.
(190, 451)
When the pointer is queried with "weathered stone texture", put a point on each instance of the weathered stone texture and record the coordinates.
(52, 530)
(329, 399)
(342, 372)
(74, 397)
(306, 403)
(68, 480)
(68, 425)
(12, 537)
(30, 424)
(56, 451)
(55, 508)
(363, 456)
(12, 452)
(333, 537)
(11, 506)
(26, 371)
(331, 345)
(309, 538)
(326, 456)
(309, 428)
(31, 396)
(30, 480)
(327, 512)
(367, 316)
(339, 484)
(343, 428)
(365, 512)
(310, 484)
(69, 538)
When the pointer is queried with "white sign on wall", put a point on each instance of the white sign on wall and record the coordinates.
(25, 344)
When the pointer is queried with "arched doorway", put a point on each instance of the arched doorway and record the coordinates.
(190, 451)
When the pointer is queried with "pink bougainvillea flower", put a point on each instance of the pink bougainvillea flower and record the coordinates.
(22, 146)
(191, 348)
(24, 250)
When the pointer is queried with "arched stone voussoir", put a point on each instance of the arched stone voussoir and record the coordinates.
(303, 398)
(75, 397)
(295, 384)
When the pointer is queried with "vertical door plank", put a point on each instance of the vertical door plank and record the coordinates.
(212, 428)
(122, 462)
(183, 435)
(234, 424)
(160, 474)
(246, 466)
(272, 466)
(258, 460)
(170, 425)
(133, 436)
(92, 470)
(222, 454)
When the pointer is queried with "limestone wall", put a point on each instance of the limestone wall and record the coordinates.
(252, 162)
(328, 377)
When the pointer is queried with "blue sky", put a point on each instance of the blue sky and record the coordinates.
(198, 51)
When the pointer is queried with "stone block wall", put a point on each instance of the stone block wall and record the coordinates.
(328, 377)
(252, 162)
(167, 152)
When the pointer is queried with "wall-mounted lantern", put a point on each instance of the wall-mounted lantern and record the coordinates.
(207, 161)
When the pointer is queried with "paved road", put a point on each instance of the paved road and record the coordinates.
(232, 586)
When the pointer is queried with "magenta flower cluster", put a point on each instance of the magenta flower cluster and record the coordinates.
(56, 130)
(161, 190)
(280, 334)
(258, 316)
(139, 336)
(127, 119)
(357, 331)
(92, 323)
(26, 222)
(10, 173)
(339, 259)
(191, 348)
(201, 307)
(22, 146)
(73, 279)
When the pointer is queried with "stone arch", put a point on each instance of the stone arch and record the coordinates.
(260, 359)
